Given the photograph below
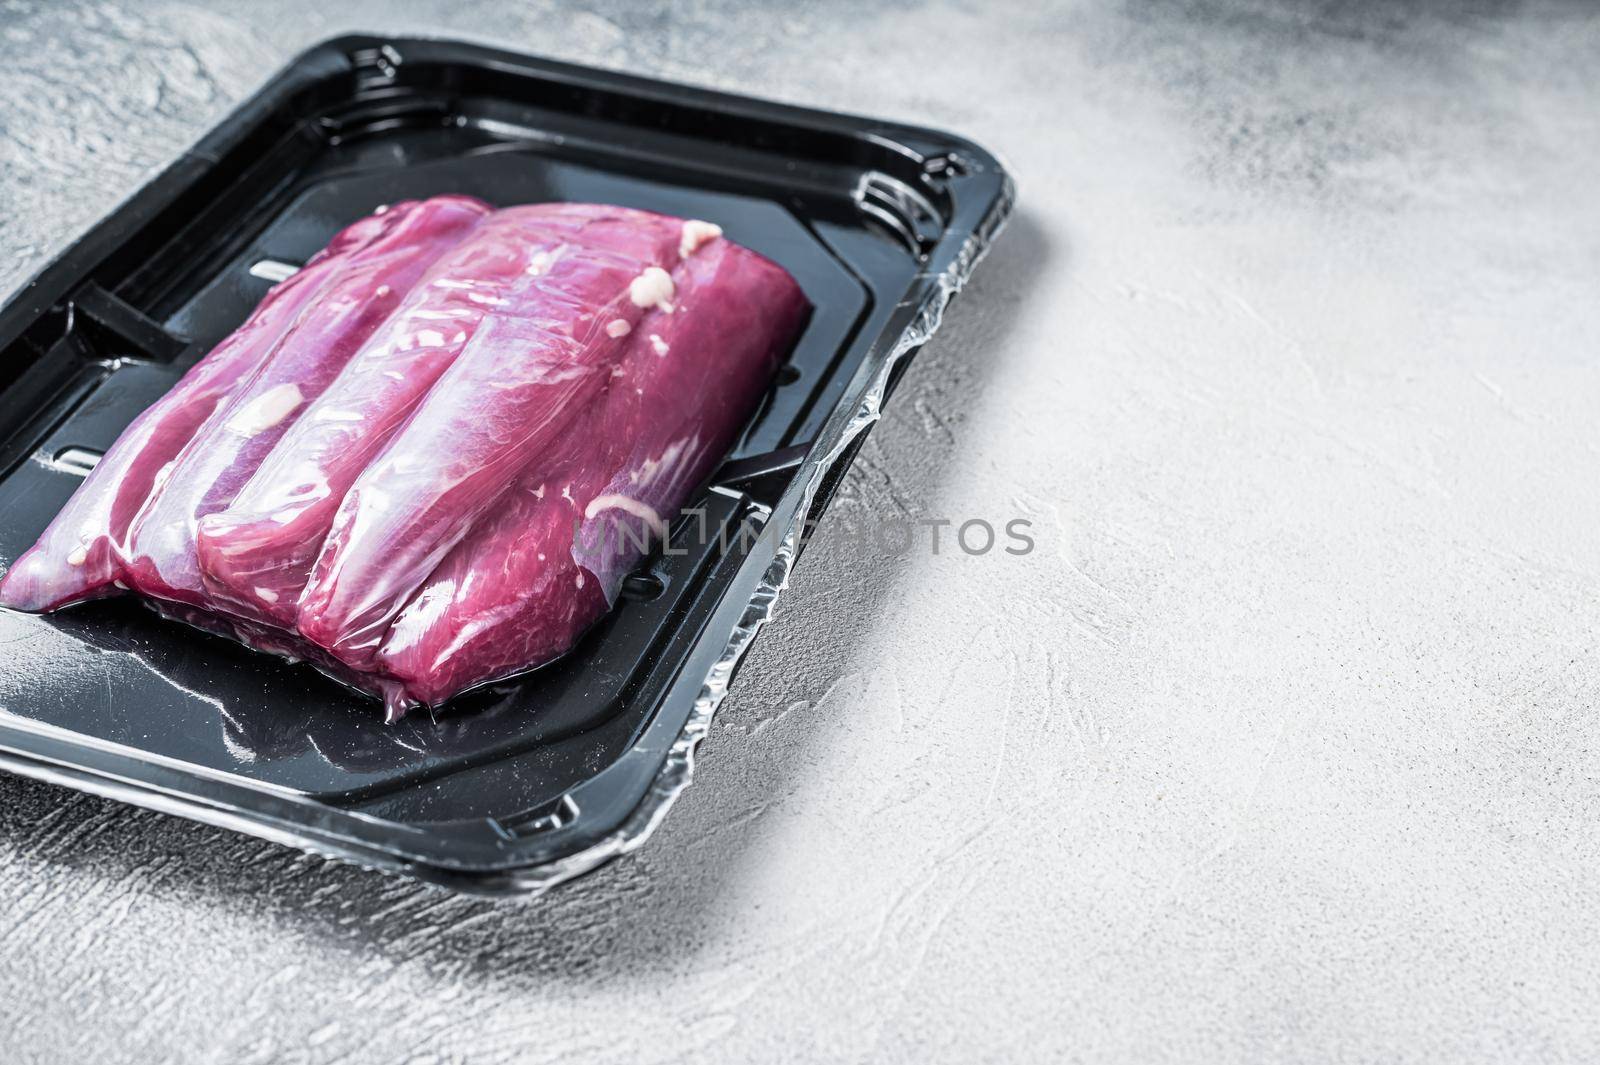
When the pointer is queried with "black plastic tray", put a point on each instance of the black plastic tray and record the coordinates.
(533, 781)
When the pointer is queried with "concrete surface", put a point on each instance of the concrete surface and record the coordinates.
(1281, 745)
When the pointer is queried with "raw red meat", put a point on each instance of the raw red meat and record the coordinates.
(258, 553)
(529, 369)
(549, 559)
(79, 555)
(232, 443)
(429, 459)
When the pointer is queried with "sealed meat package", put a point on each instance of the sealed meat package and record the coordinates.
(228, 448)
(566, 692)
(548, 560)
(257, 553)
(430, 458)
(80, 555)
(526, 375)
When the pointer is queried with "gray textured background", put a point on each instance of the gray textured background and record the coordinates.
(1282, 744)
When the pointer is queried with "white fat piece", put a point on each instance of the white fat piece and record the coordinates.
(618, 327)
(648, 470)
(653, 288)
(627, 504)
(541, 261)
(268, 409)
(659, 346)
(159, 481)
(696, 233)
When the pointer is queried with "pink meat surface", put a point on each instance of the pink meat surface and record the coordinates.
(80, 554)
(548, 559)
(531, 369)
(257, 553)
(230, 446)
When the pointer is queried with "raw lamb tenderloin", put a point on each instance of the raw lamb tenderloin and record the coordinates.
(231, 445)
(528, 372)
(549, 559)
(429, 458)
(258, 552)
(79, 556)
